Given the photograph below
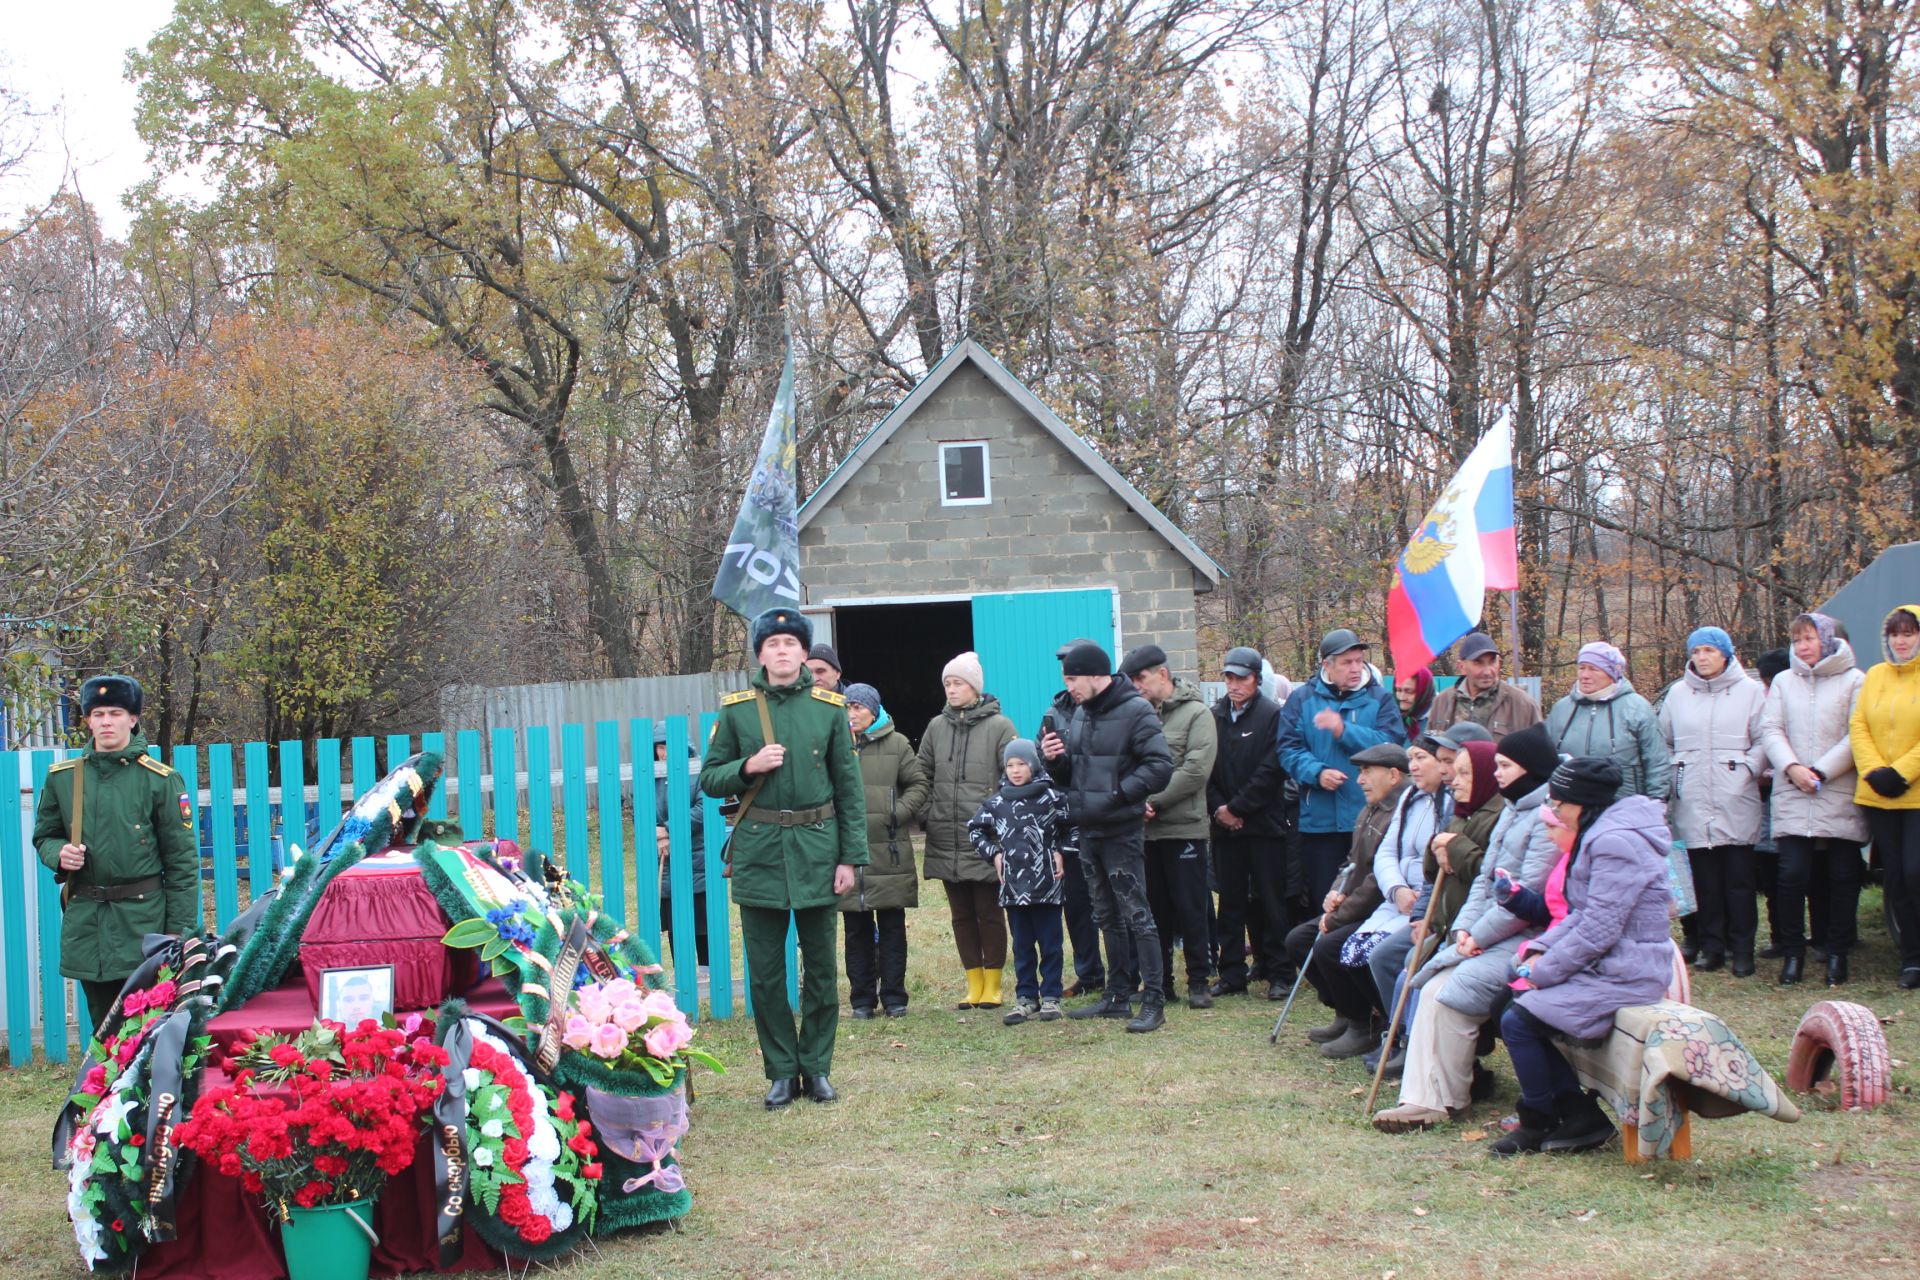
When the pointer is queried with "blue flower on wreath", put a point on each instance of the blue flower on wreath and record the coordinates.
(508, 924)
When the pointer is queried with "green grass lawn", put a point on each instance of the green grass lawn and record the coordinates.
(966, 1148)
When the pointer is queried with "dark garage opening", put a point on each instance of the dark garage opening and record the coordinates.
(900, 650)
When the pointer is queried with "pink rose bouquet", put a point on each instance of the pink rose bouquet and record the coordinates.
(632, 1028)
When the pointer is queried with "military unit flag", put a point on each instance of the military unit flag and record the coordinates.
(761, 566)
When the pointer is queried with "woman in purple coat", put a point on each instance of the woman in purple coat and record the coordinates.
(1612, 950)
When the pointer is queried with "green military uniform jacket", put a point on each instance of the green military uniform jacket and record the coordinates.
(789, 867)
(138, 823)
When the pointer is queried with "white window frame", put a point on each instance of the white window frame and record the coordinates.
(986, 474)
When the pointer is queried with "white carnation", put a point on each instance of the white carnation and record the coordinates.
(545, 1143)
(562, 1217)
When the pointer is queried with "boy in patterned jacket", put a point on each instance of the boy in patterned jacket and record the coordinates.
(1022, 829)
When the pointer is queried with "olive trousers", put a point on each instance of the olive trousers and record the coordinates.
(784, 1051)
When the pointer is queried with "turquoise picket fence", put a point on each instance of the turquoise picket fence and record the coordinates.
(499, 786)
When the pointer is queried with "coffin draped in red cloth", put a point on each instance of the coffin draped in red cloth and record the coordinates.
(378, 912)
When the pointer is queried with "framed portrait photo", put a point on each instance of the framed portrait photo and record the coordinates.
(351, 996)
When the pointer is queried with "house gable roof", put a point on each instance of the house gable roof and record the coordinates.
(1048, 421)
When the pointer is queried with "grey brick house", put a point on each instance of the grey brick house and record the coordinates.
(972, 517)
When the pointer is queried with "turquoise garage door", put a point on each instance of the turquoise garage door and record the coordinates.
(1016, 635)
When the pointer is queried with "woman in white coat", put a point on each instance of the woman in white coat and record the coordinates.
(1816, 825)
(1711, 719)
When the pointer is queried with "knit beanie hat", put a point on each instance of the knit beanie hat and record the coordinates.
(824, 653)
(1604, 656)
(1588, 781)
(1086, 659)
(864, 695)
(967, 667)
(1021, 749)
(1532, 749)
(1714, 636)
(1771, 663)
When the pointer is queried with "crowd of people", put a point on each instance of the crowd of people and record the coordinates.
(1454, 863)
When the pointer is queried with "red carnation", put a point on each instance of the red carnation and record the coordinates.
(591, 1172)
(515, 1152)
(286, 1055)
(538, 1231)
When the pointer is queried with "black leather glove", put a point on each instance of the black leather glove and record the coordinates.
(1888, 782)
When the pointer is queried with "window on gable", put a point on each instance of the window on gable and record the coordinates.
(963, 474)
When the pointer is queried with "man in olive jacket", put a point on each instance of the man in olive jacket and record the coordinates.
(1176, 849)
(794, 847)
(134, 870)
(1111, 758)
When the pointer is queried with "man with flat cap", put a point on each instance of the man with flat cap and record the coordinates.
(784, 747)
(1246, 801)
(115, 826)
(1176, 835)
(1342, 710)
(1481, 697)
(1112, 756)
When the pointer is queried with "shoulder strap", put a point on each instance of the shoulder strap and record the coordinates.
(752, 792)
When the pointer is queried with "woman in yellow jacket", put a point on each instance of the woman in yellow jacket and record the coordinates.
(1886, 752)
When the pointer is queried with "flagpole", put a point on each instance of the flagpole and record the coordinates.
(1513, 631)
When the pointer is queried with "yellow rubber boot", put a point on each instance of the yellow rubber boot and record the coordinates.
(989, 989)
(976, 986)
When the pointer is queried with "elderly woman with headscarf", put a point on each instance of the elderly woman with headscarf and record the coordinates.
(1603, 716)
(1414, 693)
(1611, 949)
(1817, 828)
(1712, 721)
(1886, 751)
(1465, 983)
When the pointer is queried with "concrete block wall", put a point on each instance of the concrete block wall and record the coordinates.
(1052, 525)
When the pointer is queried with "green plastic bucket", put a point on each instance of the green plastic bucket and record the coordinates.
(331, 1242)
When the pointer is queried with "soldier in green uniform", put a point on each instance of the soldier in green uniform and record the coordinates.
(133, 869)
(801, 831)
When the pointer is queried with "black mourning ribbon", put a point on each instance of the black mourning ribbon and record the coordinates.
(450, 1184)
(166, 1096)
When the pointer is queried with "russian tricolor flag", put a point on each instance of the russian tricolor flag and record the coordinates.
(1463, 548)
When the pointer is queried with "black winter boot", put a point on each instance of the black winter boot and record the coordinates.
(1152, 1017)
(1792, 966)
(1581, 1125)
(1533, 1130)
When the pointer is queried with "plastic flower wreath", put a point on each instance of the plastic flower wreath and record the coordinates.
(105, 1153)
(533, 1158)
(337, 1115)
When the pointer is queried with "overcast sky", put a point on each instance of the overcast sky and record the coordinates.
(68, 60)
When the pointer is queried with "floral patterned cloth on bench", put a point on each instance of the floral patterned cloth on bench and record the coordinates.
(1666, 1059)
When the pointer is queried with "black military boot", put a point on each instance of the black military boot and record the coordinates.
(1792, 967)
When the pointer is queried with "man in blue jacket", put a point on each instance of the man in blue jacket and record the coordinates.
(1328, 720)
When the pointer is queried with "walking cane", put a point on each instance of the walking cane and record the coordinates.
(1406, 989)
(1287, 1008)
(1339, 886)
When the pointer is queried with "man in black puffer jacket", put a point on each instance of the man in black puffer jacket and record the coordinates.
(1111, 758)
(1245, 798)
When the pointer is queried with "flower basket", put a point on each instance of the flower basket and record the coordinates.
(329, 1242)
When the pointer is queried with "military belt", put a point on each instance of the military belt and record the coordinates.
(791, 817)
(118, 892)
